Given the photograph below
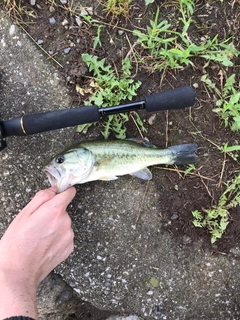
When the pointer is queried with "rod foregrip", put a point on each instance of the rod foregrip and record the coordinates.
(41, 122)
(178, 98)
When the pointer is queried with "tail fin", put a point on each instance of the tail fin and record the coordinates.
(184, 153)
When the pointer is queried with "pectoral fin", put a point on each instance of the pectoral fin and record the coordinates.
(144, 174)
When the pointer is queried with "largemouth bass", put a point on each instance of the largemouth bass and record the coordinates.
(106, 160)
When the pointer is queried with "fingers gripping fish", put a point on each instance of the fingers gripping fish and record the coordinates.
(106, 160)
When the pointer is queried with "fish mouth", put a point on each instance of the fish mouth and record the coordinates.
(57, 178)
(53, 175)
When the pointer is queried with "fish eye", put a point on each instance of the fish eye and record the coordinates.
(60, 159)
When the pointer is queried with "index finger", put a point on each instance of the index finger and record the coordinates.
(39, 199)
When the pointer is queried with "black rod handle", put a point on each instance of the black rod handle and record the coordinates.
(41, 122)
(177, 98)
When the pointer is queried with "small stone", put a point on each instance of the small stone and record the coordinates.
(120, 32)
(152, 119)
(78, 21)
(195, 85)
(32, 2)
(51, 9)
(174, 216)
(12, 29)
(65, 22)
(150, 292)
(40, 41)
(63, 1)
(67, 50)
(52, 20)
(87, 11)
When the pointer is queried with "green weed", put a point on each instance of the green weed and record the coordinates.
(97, 40)
(117, 7)
(110, 90)
(230, 150)
(228, 103)
(189, 169)
(172, 49)
(16, 9)
(217, 218)
(186, 8)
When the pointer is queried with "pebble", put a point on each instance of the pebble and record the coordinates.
(65, 22)
(67, 50)
(87, 11)
(32, 2)
(52, 20)
(40, 41)
(195, 85)
(152, 119)
(12, 29)
(174, 216)
(63, 1)
(78, 21)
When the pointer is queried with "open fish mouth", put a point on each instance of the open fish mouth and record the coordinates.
(53, 175)
(58, 178)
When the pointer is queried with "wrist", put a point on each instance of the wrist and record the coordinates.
(17, 297)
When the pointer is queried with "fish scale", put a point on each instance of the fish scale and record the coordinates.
(127, 150)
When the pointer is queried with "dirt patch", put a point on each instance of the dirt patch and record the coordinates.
(65, 40)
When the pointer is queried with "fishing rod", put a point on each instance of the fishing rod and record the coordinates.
(177, 98)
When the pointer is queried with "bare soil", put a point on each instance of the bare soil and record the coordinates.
(173, 127)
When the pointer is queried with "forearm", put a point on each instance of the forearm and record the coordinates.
(17, 299)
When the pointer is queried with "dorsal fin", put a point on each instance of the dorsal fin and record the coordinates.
(143, 142)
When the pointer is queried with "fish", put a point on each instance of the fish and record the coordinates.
(108, 159)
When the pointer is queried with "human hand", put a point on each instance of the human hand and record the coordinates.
(38, 239)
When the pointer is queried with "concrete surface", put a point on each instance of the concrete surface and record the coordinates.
(118, 264)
